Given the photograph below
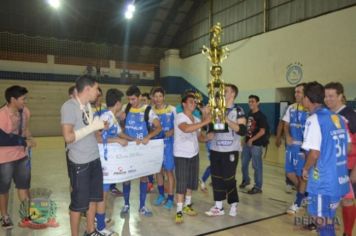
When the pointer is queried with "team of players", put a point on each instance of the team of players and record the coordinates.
(316, 152)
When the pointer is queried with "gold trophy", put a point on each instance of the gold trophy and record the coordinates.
(216, 87)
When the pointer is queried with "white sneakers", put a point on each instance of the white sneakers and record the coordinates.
(293, 209)
(215, 211)
(233, 211)
(108, 232)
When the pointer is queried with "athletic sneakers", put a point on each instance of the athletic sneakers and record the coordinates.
(108, 232)
(179, 217)
(293, 209)
(95, 233)
(233, 211)
(125, 210)
(6, 222)
(159, 200)
(169, 204)
(214, 211)
(145, 212)
(189, 210)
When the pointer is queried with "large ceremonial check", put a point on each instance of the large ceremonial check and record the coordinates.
(131, 162)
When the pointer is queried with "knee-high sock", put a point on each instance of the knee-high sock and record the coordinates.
(127, 190)
(150, 179)
(348, 216)
(299, 198)
(160, 189)
(100, 220)
(143, 193)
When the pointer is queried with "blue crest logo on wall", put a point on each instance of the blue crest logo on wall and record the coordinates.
(294, 73)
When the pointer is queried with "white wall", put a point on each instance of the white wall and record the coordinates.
(324, 46)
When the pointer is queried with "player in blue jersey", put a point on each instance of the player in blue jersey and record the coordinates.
(166, 115)
(334, 99)
(294, 121)
(110, 135)
(325, 140)
(138, 129)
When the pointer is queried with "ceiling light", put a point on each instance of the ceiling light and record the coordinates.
(54, 3)
(131, 8)
(128, 15)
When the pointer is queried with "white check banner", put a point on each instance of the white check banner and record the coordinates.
(132, 161)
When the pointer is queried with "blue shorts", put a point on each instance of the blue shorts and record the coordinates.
(168, 158)
(323, 206)
(106, 187)
(19, 171)
(295, 160)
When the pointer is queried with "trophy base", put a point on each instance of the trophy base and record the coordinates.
(218, 128)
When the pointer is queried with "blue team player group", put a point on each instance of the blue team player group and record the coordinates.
(316, 159)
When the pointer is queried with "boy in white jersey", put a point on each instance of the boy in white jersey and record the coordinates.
(186, 154)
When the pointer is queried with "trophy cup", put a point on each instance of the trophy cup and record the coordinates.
(216, 87)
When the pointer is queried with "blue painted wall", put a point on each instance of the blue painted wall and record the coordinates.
(177, 85)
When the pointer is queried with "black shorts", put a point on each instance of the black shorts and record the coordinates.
(86, 181)
(187, 173)
(19, 171)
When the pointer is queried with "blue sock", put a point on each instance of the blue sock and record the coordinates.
(161, 190)
(100, 220)
(206, 174)
(150, 178)
(306, 194)
(143, 193)
(127, 190)
(170, 197)
(299, 198)
(327, 230)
